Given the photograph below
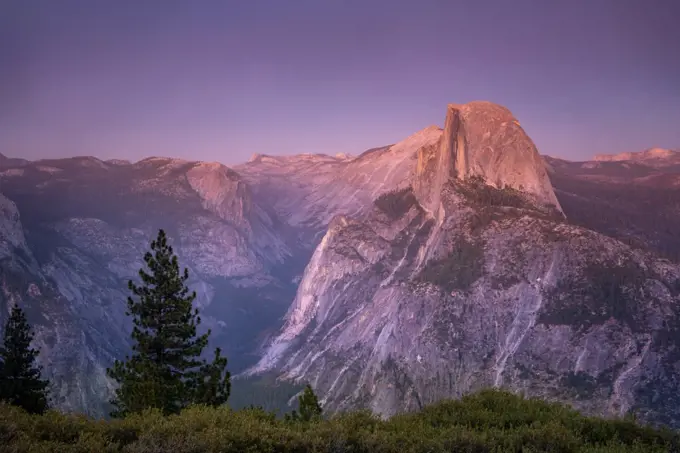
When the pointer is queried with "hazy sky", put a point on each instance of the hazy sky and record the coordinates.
(220, 80)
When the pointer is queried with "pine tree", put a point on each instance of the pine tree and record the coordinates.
(165, 370)
(20, 383)
(308, 407)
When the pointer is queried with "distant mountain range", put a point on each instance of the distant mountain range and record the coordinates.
(653, 157)
(455, 259)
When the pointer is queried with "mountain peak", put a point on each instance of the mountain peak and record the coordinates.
(648, 154)
(6, 161)
(483, 139)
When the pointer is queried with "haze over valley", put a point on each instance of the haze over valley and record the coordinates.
(454, 212)
(510, 269)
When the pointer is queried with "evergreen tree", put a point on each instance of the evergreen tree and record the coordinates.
(165, 370)
(20, 383)
(308, 407)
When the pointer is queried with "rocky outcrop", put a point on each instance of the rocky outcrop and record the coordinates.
(465, 281)
(485, 140)
(11, 231)
(482, 140)
(222, 192)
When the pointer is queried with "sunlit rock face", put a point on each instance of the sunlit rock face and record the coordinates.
(484, 140)
(452, 283)
(412, 272)
(309, 190)
(655, 157)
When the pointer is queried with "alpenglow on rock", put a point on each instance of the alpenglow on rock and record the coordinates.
(464, 281)
(653, 157)
(482, 139)
(421, 285)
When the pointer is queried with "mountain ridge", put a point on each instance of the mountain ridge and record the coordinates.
(647, 154)
(655, 157)
(334, 233)
(397, 305)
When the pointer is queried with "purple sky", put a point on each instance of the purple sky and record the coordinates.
(220, 80)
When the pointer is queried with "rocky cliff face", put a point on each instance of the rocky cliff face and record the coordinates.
(309, 190)
(11, 229)
(434, 266)
(484, 140)
(77, 230)
(457, 283)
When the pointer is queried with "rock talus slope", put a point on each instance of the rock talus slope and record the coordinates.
(471, 277)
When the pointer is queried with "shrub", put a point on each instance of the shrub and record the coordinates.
(488, 421)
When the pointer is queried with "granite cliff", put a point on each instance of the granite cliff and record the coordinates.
(73, 231)
(412, 272)
(484, 141)
(76, 230)
(472, 277)
(309, 190)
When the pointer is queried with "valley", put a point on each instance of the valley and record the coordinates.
(454, 260)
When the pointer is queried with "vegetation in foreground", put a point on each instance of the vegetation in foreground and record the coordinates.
(170, 399)
(165, 370)
(490, 421)
(20, 382)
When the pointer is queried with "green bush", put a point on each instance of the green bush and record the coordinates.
(489, 421)
(266, 392)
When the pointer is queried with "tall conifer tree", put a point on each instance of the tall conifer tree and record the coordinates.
(165, 370)
(308, 407)
(20, 383)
